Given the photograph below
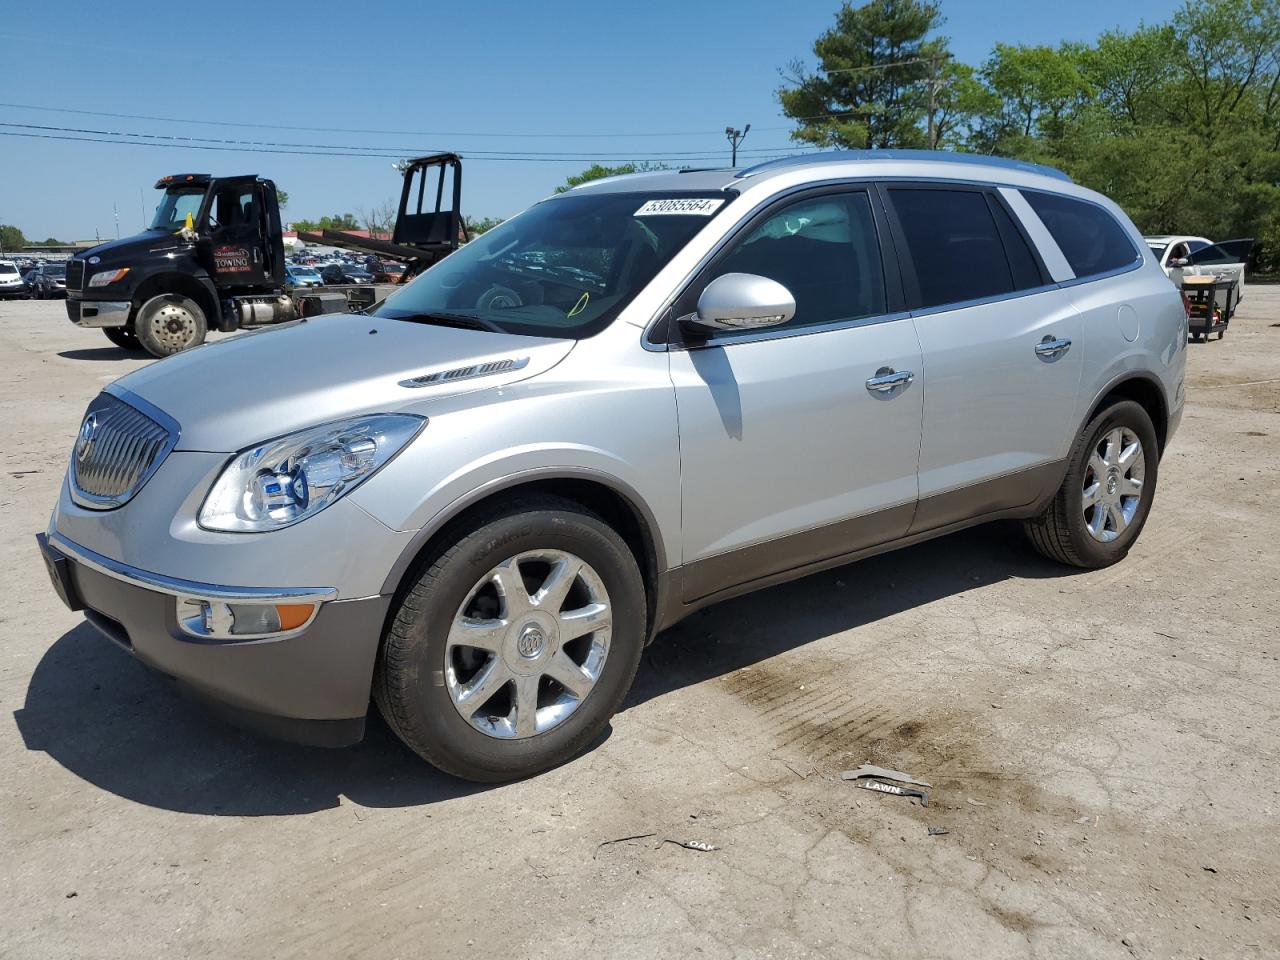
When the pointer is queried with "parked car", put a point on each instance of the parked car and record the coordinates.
(339, 273)
(387, 271)
(48, 280)
(1196, 256)
(11, 283)
(479, 501)
(299, 276)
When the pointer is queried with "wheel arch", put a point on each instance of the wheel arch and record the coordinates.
(1144, 390)
(195, 288)
(613, 500)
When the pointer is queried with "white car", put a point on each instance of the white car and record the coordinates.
(11, 284)
(1197, 257)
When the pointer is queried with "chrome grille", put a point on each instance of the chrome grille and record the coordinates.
(118, 449)
(75, 274)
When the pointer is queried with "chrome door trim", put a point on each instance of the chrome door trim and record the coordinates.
(890, 381)
(1050, 348)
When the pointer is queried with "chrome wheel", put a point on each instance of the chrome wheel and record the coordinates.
(1113, 483)
(172, 324)
(528, 644)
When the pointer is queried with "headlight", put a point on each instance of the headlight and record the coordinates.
(107, 276)
(279, 482)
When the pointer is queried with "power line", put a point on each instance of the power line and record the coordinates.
(402, 133)
(312, 153)
(156, 139)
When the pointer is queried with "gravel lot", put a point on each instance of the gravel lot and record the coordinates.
(1102, 748)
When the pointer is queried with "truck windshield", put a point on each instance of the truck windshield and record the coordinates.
(174, 207)
(566, 267)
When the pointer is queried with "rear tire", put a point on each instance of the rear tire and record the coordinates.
(170, 323)
(122, 337)
(457, 703)
(1105, 498)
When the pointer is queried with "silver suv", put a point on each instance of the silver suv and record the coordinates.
(478, 502)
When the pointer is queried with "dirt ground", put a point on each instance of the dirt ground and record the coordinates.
(1102, 749)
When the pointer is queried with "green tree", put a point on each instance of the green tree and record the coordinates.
(11, 238)
(880, 78)
(476, 228)
(339, 221)
(598, 171)
(282, 198)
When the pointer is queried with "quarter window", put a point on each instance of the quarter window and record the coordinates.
(953, 243)
(822, 249)
(1088, 236)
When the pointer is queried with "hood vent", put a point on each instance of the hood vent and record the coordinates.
(485, 369)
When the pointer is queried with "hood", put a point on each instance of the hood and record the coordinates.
(117, 251)
(237, 392)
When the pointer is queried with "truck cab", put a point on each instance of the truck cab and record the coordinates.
(212, 257)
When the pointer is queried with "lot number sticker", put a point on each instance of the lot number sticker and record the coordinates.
(685, 207)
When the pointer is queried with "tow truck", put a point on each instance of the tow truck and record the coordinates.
(213, 258)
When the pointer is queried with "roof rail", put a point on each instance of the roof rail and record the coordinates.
(936, 156)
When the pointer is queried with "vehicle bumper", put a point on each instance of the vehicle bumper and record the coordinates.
(98, 313)
(18, 289)
(310, 686)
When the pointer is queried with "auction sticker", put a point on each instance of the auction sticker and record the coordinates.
(682, 206)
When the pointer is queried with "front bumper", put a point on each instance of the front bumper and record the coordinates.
(98, 313)
(15, 289)
(311, 686)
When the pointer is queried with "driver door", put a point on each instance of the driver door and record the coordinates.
(237, 235)
(793, 452)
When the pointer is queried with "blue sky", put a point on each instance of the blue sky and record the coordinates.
(533, 77)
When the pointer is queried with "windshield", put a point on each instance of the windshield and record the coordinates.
(564, 268)
(1158, 249)
(174, 207)
(8, 269)
(55, 269)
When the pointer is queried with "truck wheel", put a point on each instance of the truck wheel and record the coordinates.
(510, 652)
(1104, 500)
(170, 323)
(122, 337)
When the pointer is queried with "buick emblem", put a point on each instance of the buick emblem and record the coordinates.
(88, 433)
(530, 642)
(95, 259)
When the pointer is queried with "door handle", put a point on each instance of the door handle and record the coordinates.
(1051, 347)
(887, 380)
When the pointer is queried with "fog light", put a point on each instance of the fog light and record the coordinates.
(229, 621)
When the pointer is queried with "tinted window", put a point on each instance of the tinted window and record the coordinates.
(824, 250)
(1088, 236)
(1229, 251)
(953, 243)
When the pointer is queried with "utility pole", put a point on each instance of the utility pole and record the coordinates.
(115, 208)
(735, 137)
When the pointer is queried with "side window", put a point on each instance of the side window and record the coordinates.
(954, 244)
(824, 250)
(1088, 236)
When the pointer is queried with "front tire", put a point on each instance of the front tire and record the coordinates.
(170, 323)
(1107, 493)
(510, 652)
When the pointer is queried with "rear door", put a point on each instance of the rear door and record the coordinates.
(1001, 348)
(1225, 258)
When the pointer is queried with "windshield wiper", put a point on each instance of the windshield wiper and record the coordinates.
(452, 320)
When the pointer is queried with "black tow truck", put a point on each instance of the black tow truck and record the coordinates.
(213, 258)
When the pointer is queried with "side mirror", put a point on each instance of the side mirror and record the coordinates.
(743, 301)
